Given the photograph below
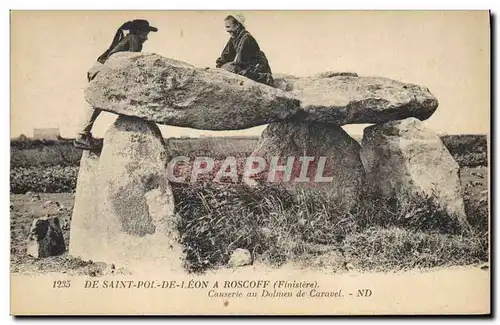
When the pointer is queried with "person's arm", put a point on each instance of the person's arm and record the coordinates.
(131, 43)
(246, 47)
(122, 46)
(227, 55)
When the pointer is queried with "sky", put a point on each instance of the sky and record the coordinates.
(448, 52)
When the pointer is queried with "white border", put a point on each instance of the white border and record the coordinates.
(257, 4)
(185, 4)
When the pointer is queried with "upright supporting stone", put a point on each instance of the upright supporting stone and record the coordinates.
(406, 161)
(124, 208)
(85, 209)
(314, 145)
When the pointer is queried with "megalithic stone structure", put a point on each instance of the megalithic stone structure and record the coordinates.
(124, 209)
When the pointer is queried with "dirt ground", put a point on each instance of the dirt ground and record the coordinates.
(27, 207)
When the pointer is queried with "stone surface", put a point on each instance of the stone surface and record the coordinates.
(346, 98)
(284, 81)
(240, 257)
(172, 92)
(407, 161)
(340, 152)
(124, 206)
(45, 238)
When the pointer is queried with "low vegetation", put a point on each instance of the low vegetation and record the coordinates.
(306, 228)
(278, 227)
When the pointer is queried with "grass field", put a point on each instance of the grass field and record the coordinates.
(468, 150)
(277, 227)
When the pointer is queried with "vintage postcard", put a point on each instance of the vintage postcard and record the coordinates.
(250, 162)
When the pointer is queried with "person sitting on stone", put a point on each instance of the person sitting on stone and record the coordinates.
(242, 54)
(132, 42)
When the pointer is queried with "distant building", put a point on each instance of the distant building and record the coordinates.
(46, 133)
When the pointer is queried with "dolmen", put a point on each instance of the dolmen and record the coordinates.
(125, 211)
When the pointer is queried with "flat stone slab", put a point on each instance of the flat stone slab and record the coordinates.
(176, 93)
(172, 92)
(346, 98)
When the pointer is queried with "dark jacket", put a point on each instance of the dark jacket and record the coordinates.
(245, 51)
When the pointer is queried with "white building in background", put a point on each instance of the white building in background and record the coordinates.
(46, 133)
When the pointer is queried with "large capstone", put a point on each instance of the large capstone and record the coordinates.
(172, 92)
(346, 98)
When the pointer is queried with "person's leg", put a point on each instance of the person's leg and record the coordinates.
(231, 67)
(261, 77)
(256, 74)
(84, 138)
(260, 70)
(90, 118)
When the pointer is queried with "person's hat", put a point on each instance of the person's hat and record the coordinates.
(239, 17)
(143, 25)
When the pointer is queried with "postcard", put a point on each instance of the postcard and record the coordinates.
(205, 162)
